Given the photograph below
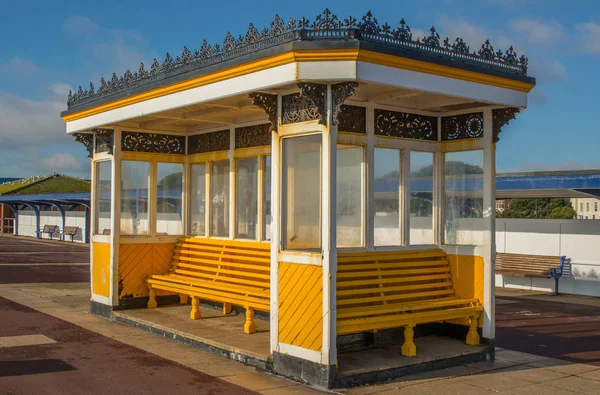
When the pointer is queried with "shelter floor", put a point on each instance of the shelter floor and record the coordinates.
(215, 329)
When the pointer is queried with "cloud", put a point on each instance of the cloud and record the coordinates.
(62, 161)
(473, 35)
(60, 89)
(110, 49)
(548, 70)
(18, 67)
(537, 32)
(588, 35)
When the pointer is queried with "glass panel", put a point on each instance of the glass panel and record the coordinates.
(349, 213)
(267, 196)
(134, 197)
(387, 197)
(246, 201)
(421, 198)
(301, 190)
(464, 198)
(198, 199)
(219, 199)
(169, 189)
(103, 197)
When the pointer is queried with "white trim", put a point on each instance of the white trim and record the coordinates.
(391, 76)
(370, 183)
(101, 299)
(338, 70)
(489, 236)
(299, 352)
(300, 257)
(115, 216)
(260, 80)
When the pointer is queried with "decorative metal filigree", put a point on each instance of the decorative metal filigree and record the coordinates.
(104, 140)
(464, 126)
(340, 92)
(269, 105)
(405, 125)
(208, 142)
(152, 142)
(253, 136)
(352, 119)
(87, 139)
(296, 108)
(317, 94)
(326, 26)
(501, 117)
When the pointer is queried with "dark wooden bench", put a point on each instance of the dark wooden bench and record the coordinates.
(382, 290)
(69, 231)
(535, 266)
(48, 229)
(223, 271)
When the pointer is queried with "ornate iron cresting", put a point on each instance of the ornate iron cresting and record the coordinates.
(340, 92)
(352, 119)
(208, 142)
(464, 126)
(501, 117)
(308, 105)
(152, 142)
(253, 136)
(325, 26)
(104, 140)
(405, 125)
(269, 105)
(87, 139)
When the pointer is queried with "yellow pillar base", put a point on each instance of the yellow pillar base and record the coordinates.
(183, 299)
(473, 335)
(249, 325)
(152, 301)
(409, 348)
(195, 313)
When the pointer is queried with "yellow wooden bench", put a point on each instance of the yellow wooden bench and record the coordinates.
(382, 290)
(224, 271)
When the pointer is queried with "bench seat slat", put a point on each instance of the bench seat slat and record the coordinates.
(402, 307)
(259, 290)
(214, 277)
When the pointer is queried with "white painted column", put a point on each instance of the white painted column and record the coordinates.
(329, 354)
(115, 218)
(232, 172)
(275, 229)
(370, 183)
(489, 215)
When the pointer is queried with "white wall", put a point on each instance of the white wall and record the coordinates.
(72, 218)
(578, 240)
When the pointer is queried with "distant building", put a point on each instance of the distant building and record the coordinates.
(586, 208)
(502, 204)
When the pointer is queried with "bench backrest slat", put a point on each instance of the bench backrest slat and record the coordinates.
(71, 230)
(49, 228)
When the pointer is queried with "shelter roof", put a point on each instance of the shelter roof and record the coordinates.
(325, 33)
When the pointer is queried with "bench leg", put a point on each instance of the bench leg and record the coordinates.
(195, 313)
(250, 325)
(473, 335)
(409, 348)
(152, 301)
(226, 308)
(183, 299)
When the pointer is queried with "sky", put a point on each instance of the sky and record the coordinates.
(47, 48)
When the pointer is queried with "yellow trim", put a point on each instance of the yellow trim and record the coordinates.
(252, 151)
(150, 157)
(208, 156)
(444, 71)
(462, 145)
(306, 56)
(101, 270)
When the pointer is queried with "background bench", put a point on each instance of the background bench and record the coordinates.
(535, 266)
(224, 271)
(382, 290)
(48, 229)
(69, 231)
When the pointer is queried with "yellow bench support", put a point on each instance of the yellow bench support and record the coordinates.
(383, 290)
(224, 271)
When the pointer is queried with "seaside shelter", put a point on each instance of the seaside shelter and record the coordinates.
(333, 176)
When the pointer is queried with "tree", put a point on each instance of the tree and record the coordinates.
(554, 208)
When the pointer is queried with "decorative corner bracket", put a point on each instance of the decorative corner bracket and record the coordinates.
(340, 92)
(87, 139)
(268, 103)
(501, 117)
(104, 140)
(317, 93)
